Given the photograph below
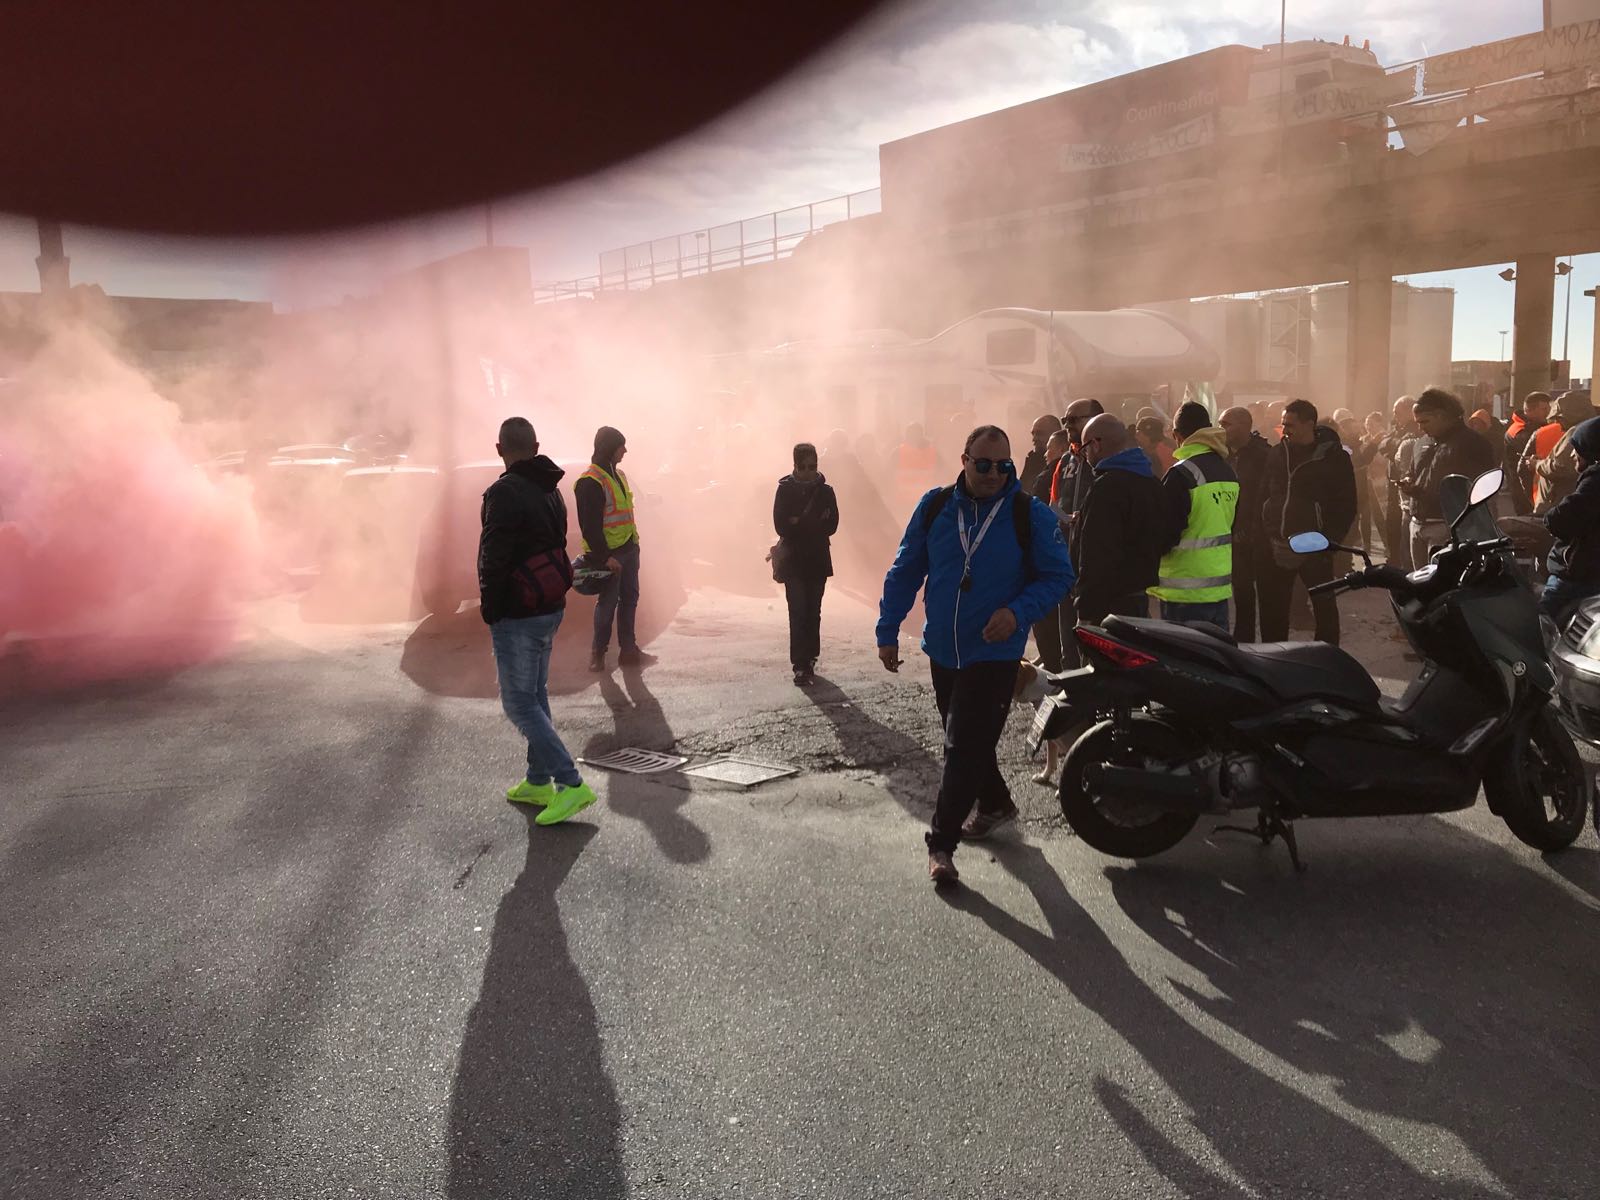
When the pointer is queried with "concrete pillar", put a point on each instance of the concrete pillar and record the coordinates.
(1367, 335)
(1594, 361)
(1535, 310)
(55, 275)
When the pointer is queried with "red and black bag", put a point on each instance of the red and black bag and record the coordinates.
(542, 582)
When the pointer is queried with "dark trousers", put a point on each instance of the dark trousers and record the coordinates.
(805, 619)
(1396, 533)
(619, 600)
(974, 703)
(1275, 587)
(1246, 585)
(1561, 598)
(1047, 636)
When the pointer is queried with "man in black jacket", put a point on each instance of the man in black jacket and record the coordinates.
(1248, 452)
(1457, 449)
(1574, 522)
(1115, 542)
(805, 515)
(522, 580)
(1310, 488)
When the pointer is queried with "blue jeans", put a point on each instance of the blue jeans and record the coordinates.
(1216, 612)
(1561, 596)
(522, 659)
(620, 599)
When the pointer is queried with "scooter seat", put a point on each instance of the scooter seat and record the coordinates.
(1301, 670)
(1290, 670)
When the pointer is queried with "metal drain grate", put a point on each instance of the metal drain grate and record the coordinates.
(746, 772)
(634, 761)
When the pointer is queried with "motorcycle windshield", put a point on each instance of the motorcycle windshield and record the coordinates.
(1479, 526)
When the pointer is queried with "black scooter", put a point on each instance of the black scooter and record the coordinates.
(1185, 722)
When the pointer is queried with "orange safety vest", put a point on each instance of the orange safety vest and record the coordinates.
(618, 518)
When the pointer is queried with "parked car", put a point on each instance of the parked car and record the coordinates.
(295, 501)
(1575, 655)
(368, 558)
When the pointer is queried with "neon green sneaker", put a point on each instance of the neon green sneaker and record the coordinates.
(531, 793)
(568, 802)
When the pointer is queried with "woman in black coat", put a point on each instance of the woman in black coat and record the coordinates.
(805, 515)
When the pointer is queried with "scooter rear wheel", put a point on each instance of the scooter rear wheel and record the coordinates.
(1539, 786)
(1118, 828)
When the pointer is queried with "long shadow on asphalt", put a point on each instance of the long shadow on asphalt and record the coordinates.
(532, 1110)
(1579, 866)
(452, 655)
(134, 1061)
(1448, 1032)
(1344, 974)
(641, 723)
(911, 772)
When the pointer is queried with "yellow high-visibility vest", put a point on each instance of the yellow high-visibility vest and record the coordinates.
(619, 526)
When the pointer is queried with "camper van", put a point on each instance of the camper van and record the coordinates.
(1005, 366)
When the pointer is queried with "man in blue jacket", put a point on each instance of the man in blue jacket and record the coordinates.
(994, 563)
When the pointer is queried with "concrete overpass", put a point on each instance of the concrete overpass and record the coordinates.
(1523, 195)
(1236, 215)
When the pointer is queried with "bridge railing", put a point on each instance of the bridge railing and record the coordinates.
(766, 238)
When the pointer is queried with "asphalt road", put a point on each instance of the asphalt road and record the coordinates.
(269, 930)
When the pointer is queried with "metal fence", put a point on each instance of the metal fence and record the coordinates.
(766, 238)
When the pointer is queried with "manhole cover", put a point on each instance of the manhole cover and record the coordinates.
(746, 772)
(635, 761)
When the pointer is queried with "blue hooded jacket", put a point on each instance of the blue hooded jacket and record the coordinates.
(1133, 460)
(953, 633)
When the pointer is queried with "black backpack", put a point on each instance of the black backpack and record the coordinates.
(1021, 521)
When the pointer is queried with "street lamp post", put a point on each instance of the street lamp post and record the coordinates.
(1566, 330)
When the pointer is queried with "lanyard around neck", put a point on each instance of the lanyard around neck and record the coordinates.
(969, 546)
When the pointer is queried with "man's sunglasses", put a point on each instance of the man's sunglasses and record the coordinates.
(984, 465)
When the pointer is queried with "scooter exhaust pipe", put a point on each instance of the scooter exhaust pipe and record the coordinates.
(1171, 793)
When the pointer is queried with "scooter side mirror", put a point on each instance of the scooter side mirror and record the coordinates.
(1309, 543)
(1486, 486)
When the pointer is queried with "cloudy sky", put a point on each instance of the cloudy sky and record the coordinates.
(915, 66)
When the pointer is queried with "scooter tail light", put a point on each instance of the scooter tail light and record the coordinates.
(1122, 656)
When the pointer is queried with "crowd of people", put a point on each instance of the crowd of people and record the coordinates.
(1099, 518)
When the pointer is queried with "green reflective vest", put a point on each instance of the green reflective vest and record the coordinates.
(1199, 569)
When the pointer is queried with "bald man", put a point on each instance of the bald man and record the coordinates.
(1115, 540)
(1247, 454)
(1397, 449)
(1034, 465)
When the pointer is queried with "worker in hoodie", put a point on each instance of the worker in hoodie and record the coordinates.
(605, 516)
(1201, 494)
(994, 562)
(1574, 523)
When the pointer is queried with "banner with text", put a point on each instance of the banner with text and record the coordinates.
(1552, 50)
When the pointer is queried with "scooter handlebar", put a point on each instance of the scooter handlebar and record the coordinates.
(1379, 575)
(1356, 579)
